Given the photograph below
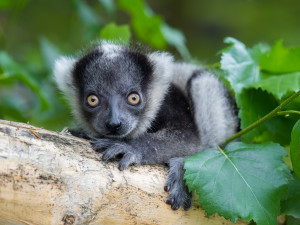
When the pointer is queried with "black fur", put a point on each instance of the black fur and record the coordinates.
(145, 66)
(175, 112)
(80, 68)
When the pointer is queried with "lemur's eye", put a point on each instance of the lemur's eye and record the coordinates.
(133, 99)
(93, 100)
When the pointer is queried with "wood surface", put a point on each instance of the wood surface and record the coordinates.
(54, 178)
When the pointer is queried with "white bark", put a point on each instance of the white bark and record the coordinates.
(54, 178)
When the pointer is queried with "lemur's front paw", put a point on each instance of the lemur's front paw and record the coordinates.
(129, 155)
(179, 194)
(100, 144)
(128, 159)
(114, 149)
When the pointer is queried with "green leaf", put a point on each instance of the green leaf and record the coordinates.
(280, 85)
(11, 110)
(176, 38)
(49, 51)
(248, 114)
(287, 159)
(292, 221)
(146, 26)
(116, 33)
(240, 64)
(295, 148)
(281, 60)
(109, 6)
(11, 71)
(7, 4)
(255, 104)
(243, 181)
(86, 13)
(291, 205)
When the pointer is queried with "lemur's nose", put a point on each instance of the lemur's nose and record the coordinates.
(113, 126)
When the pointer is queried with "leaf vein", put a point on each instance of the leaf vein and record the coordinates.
(260, 205)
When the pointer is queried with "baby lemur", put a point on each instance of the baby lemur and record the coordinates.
(147, 108)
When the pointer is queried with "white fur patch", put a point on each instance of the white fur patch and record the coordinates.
(63, 69)
(162, 76)
(182, 72)
(110, 50)
(63, 72)
(214, 115)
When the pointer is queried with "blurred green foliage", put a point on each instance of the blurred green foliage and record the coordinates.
(116, 33)
(207, 22)
(35, 33)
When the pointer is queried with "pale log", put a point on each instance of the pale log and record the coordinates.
(54, 178)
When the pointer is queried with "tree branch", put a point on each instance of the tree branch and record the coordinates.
(54, 178)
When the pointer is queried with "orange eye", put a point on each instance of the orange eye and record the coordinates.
(93, 100)
(133, 99)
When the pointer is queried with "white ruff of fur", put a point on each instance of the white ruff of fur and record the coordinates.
(214, 116)
(63, 69)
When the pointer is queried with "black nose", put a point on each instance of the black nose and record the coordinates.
(113, 126)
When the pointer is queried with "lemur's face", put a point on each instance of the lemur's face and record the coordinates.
(112, 91)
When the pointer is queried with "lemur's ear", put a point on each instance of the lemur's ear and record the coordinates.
(63, 68)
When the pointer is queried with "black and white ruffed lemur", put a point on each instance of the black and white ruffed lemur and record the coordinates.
(147, 108)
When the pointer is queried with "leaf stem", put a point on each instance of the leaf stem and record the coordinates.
(273, 113)
(288, 112)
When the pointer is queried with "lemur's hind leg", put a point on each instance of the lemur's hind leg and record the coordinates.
(179, 194)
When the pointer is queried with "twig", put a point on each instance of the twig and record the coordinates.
(273, 113)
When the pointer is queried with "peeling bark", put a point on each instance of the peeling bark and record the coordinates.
(54, 178)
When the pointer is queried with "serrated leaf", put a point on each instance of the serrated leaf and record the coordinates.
(255, 104)
(243, 181)
(280, 85)
(116, 33)
(291, 205)
(240, 64)
(281, 60)
(295, 148)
